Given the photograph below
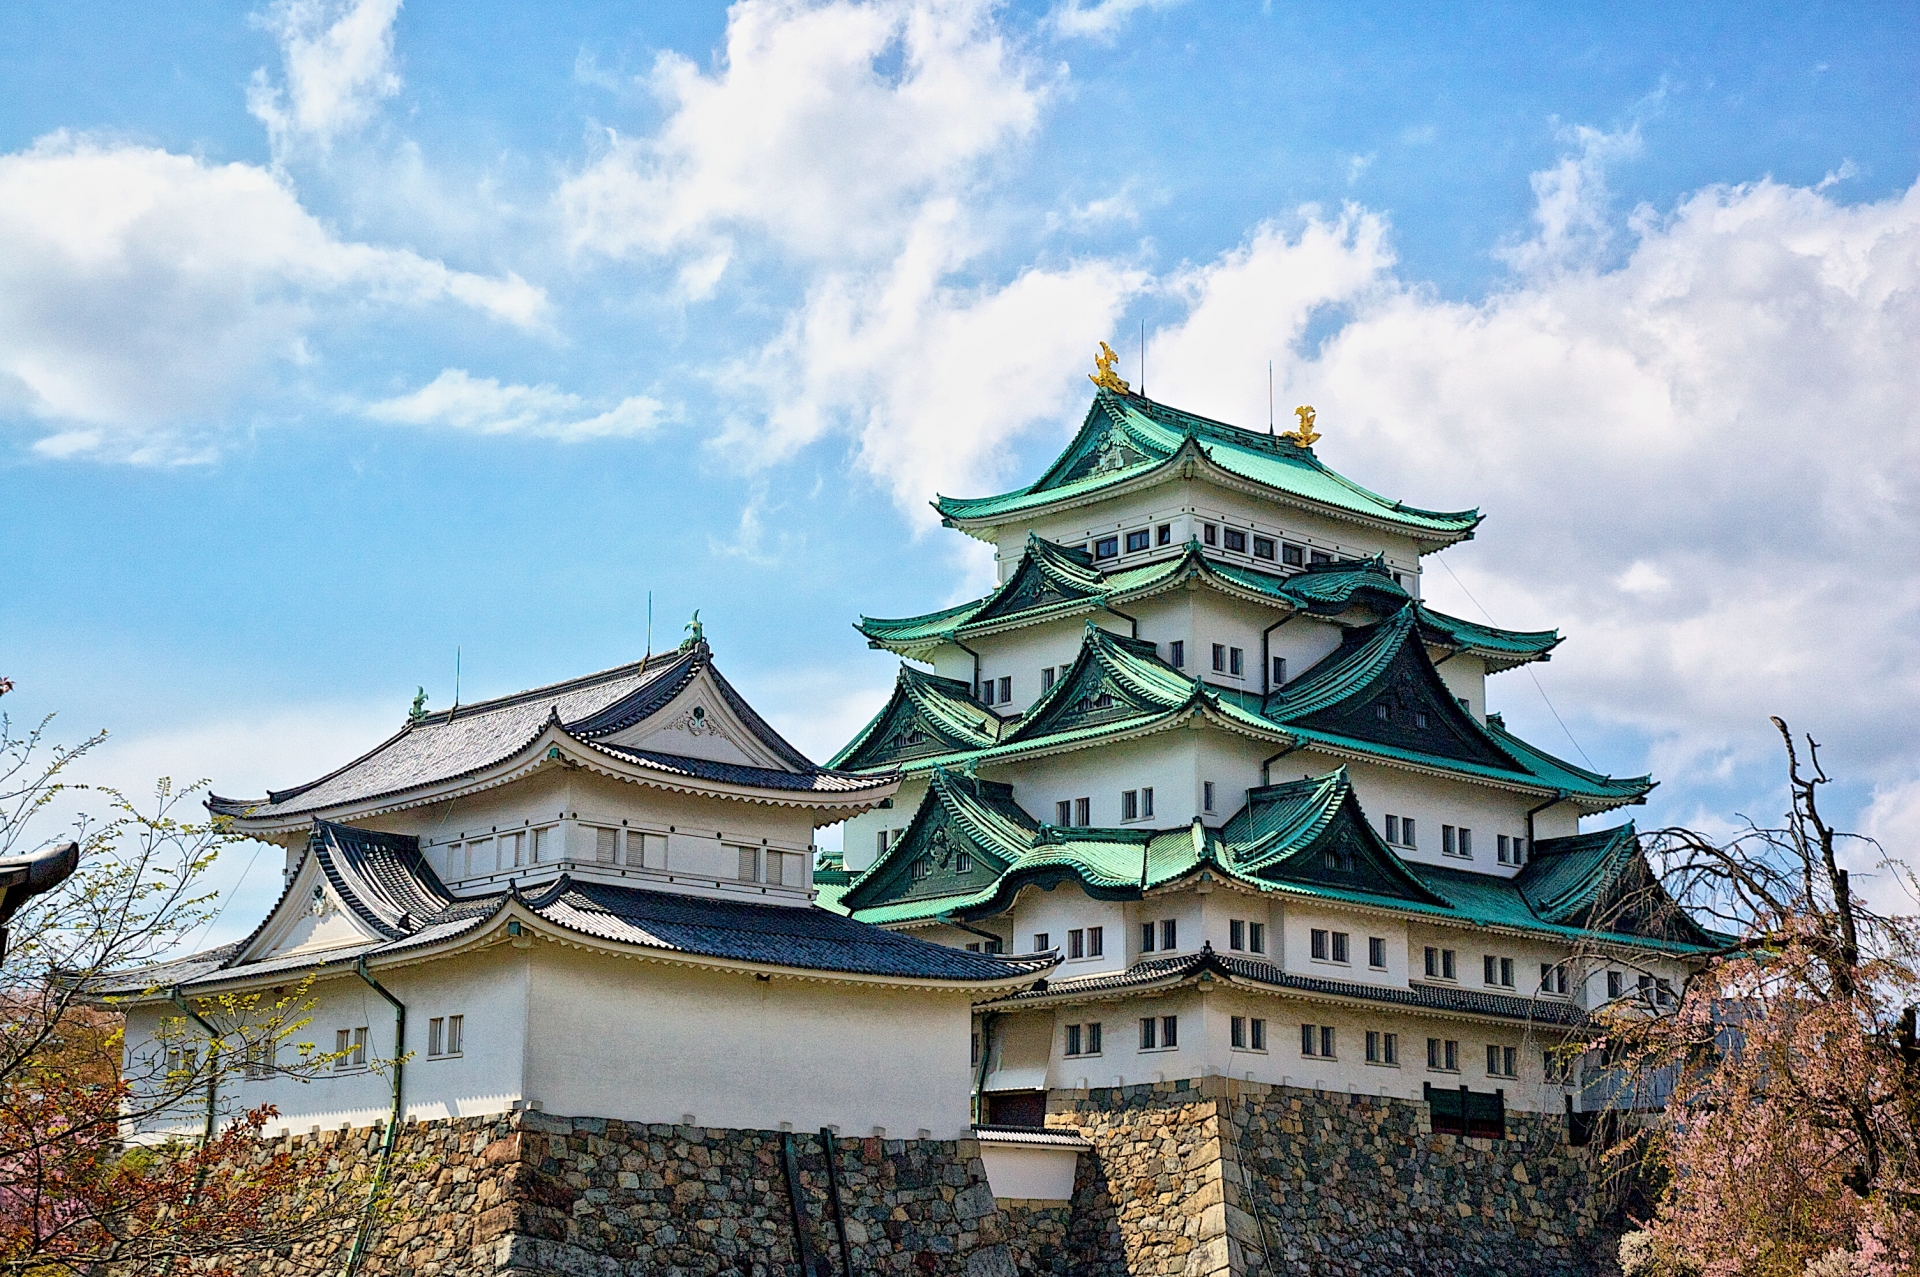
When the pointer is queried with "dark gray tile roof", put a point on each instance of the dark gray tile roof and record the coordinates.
(1431, 997)
(812, 938)
(818, 780)
(384, 881)
(468, 739)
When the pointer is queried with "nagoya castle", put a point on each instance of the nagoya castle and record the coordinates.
(1195, 916)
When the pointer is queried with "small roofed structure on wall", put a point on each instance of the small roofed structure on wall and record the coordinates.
(595, 898)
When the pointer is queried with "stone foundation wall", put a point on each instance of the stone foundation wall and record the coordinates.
(1207, 1178)
(529, 1195)
(1212, 1176)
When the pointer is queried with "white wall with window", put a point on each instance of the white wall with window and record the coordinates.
(1050, 919)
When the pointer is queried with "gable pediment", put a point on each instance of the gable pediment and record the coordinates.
(942, 852)
(311, 918)
(1344, 854)
(1407, 706)
(699, 722)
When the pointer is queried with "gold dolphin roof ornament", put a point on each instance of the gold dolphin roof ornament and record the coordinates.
(1106, 378)
(1306, 435)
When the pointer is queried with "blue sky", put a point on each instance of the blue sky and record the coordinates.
(335, 334)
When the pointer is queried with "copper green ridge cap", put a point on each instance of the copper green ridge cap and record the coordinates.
(1126, 437)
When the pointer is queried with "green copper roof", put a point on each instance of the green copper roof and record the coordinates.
(970, 849)
(1116, 687)
(926, 716)
(1127, 437)
(1054, 582)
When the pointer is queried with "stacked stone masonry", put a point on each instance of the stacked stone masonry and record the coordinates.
(1192, 1178)
(1213, 1176)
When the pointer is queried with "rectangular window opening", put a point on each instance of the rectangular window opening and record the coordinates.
(1210, 533)
(1377, 952)
(1206, 795)
(1146, 802)
(1263, 548)
(1177, 654)
(1107, 548)
(1169, 935)
(1136, 541)
(1164, 534)
(1236, 540)
(1096, 941)
(1257, 937)
(1236, 662)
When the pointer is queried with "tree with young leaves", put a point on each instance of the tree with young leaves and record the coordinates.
(1788, 1142)
(80, 1189)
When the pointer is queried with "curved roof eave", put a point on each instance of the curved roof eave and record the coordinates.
(534, 755)
(1193, 452)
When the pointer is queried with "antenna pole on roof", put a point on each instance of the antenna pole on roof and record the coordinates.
(1269, 396)
(456, 679)
(1143, 359)
(649, 655)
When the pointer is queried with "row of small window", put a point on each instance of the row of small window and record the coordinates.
(494, 852)
(1322, 1042)
(1211, 534)
(1157, 1033)
(1497, 972)
(1333, 946)
(1082, 942)
(1404, 831)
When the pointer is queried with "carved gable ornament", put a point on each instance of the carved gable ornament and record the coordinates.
(1115, 453)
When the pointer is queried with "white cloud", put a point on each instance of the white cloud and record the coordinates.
(456, 400)
(338, 57)
(1101, 19)
(138, 288)
(825, 129)
(1699, 460)
(1570, 202)
(931, 381)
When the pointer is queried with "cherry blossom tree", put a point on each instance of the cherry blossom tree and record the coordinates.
(77, 1194)
(1788, 1143)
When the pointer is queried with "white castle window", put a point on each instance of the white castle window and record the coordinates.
(1503, 1061)
(1236, 540)
(1163, 535)
(1136, 541)
(445, 1036)
(1107, 548)
(1249, 936)
(1383, 1048)
(1083, 1039)
(1291, 555)
(1443, 1055)
(350, 1048)
(1401, 831)
(1177, 654)
(1498, 971)
(1263, 548)
(1440, 963)
(1318, 1041)
(1553, 979)
(1210, 533)
(1162, 1034)
(1248, 1034)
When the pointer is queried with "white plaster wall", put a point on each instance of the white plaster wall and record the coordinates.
(1029, 1173)
(1302, 918)
(1221, 905)
(859, 839)
(1186, 505)
(647, 1042)
(488, 988)
(1432, 802)
(1206, 1046)
(1165, 762)
(1068, 907)
(1466, 677)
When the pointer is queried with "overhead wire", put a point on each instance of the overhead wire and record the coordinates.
(1538, 686)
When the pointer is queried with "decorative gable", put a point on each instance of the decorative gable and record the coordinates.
(926, 716)
(1112, 680)
(700, 722)
(1313, 833)
(1399, 701)
(966, 834)
(1046, 575)
(311, 918)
